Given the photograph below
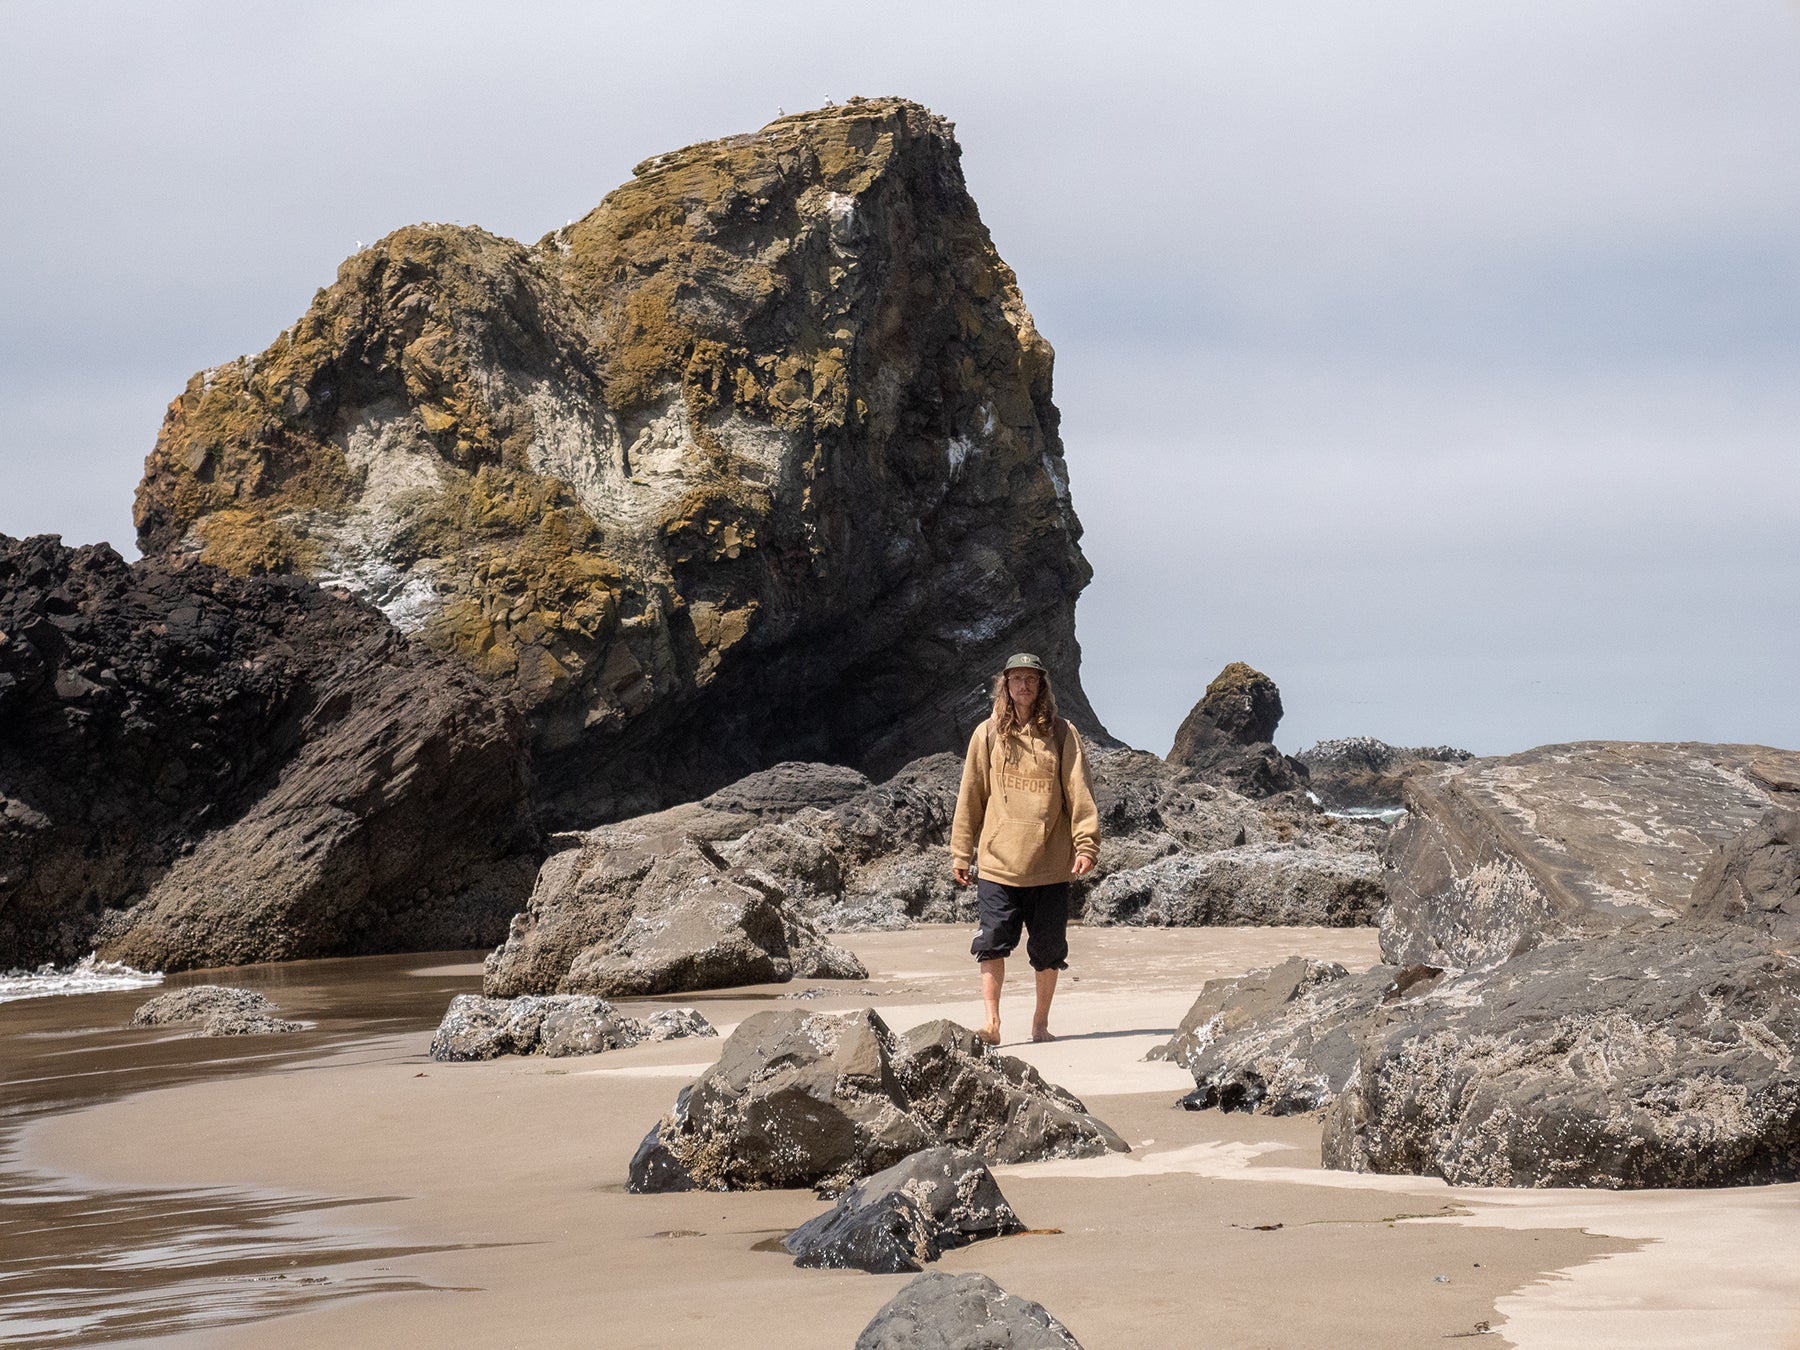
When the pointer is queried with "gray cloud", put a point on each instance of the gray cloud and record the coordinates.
(1437, 359)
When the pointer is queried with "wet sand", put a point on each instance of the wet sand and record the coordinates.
(483, 1204)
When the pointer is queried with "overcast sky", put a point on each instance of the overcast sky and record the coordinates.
(1437, 359)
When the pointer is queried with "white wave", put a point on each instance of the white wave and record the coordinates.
(87, 976)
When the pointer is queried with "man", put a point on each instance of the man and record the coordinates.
(1025, 817)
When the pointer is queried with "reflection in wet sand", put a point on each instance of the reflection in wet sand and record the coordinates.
(82, 1264)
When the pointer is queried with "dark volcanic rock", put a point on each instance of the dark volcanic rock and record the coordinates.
(1228, 736)
(1498, 856)
(756, 461)
(1755, 878)
(215, 1011)
(810, 1099)
(1657, 1059)
(910, 1214)
(562, 1024)
(962, 1312)
(1362, 773)
(197, 769)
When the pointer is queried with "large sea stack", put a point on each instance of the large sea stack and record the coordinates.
(756, 461)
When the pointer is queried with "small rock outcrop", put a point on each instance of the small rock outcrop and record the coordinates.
(617, 918)
(1589, 982)
(1630, 1060)
(1754, 879)
(1633, 1060)
(1360, 773)
(962, 1312)
(198, 769)
(822, 1100)
(908, 1215)
(1281, 1041)
(477, 1028)
(755, 461)
(214, 1010)
(1498, 856)
(1228, 737)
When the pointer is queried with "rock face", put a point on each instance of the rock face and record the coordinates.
(214, 1010)
(1360, 773)
(572, 1024)
(755, 461)
(962, 1312)
(198, 770)
(1660, 1059)
(799, 1099)
(1755, 878)
(1229, 735)
(1498, 856)
(910, 1214)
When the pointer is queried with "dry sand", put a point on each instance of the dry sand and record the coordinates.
(499, 1217)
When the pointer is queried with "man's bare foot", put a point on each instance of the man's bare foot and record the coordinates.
(990, 1034)
(1041, 1034)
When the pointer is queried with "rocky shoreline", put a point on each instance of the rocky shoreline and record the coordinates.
(620, 606)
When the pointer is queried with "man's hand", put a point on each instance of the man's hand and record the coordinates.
(961, 874)
(1083, 865)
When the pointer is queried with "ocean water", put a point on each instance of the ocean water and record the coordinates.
(89, 1263)
(86, 976)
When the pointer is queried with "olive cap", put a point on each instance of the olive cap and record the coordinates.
(1023, 661)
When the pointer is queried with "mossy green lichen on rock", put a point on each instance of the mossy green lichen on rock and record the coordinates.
(771, 418)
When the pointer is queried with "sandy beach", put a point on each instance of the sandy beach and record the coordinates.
(344, 1189)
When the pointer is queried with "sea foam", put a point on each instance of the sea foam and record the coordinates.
(87, 976)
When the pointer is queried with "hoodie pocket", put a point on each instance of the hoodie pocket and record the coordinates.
(1015, 847)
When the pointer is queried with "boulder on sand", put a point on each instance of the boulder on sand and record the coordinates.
(559, 1024)
(962, 1312)
(822, 1100)
(1630, 1060)
(618, 918)
(1633, 1060)
(214, 1010)
(907, 1215)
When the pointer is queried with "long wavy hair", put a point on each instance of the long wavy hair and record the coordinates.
(1043, 712)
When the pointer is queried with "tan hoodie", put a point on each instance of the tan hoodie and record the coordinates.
(1031, 808)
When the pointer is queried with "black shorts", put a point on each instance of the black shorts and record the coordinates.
(1043, 911)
